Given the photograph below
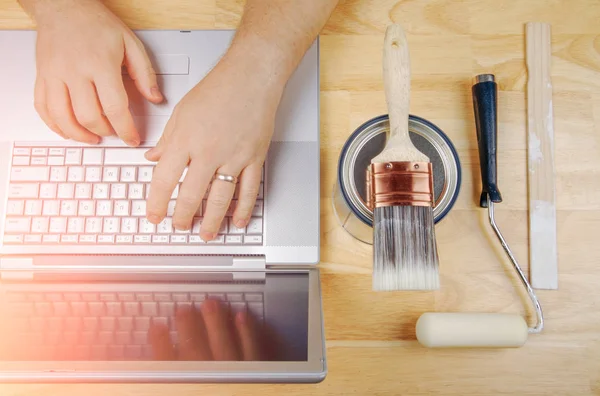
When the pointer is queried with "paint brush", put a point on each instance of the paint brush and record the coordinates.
(401, 187)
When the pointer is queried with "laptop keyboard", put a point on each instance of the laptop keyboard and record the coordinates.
(69, 195)
(106, 325)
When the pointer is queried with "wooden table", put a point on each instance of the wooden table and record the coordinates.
(370, 336)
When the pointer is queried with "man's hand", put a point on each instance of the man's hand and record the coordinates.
(79, 91)
(223, 125)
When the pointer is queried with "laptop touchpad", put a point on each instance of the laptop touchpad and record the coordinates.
(173, 88)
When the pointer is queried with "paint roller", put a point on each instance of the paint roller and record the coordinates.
(436, 330)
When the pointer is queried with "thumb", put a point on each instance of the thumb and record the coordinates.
(156, 152)
(141, 71)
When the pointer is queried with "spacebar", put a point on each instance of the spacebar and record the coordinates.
(126, 156)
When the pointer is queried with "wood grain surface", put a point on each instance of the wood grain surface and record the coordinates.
(370, 336)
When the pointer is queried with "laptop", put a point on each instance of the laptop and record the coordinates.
(90, 291)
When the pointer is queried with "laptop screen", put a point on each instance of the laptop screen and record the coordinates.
(259, 320)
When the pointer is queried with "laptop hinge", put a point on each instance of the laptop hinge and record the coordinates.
(250, 263)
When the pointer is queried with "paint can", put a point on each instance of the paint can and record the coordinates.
(364, 144)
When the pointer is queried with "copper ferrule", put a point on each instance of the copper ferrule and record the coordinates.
(399, 183)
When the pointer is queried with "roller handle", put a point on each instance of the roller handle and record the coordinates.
(485, 103)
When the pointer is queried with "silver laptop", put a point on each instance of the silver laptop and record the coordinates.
(90, 291)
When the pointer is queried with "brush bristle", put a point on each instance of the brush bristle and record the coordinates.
(405, 253)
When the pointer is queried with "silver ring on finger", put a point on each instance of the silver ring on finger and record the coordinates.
(226, 178)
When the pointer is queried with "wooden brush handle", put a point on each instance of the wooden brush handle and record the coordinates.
(396, 81)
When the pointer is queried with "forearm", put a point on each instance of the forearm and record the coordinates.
(273, 36)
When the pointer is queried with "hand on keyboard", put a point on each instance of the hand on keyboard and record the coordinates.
(79, 91)
(209, 335)
(223, 125)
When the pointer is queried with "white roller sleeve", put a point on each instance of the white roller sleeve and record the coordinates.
(455, 330)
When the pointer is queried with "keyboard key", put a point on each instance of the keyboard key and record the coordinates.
(73, 156)
(146, 227)
(53, 297)
(111, 174)
(196, 224)
(21, 151)
(166, 308)
(183, 304)
(179, 297)
(20, 161)
(72, 323)
(56, 161)
(89, 297)
(56, 151)
(75, 225)
(29, 174)
(235, 297)
(121, 208)
(138, 208)
(93, 174)
(178, 239)
(253, 297)
(195, 239)
(66, 191)
(33, 208)
(104, 208)
(128, 174)
(125, 323)
(96, 308)
(17, 224)
(131, 308)
(140, 337)
(68, 238)
(111, 225)
(256, 309)
(37, 161)
(92, 156)
(100, 191)
(216, 296)
(219, 239)
(160, 321)
(33, 239)
(118, 191)
(125, 296)
(51, 208)
(197, 296)
(23, 190)
(252, 239)
(133, 352)
(105, 337)
(124, 239)
(233, 239)
(237, 307)
(108, 323)
(68, 208)
(47, 190)
(160, 239)
(162, 297)
(113, 308)
(129, 225)
(43, 308)
(234, 230)
(39, 151)
(107, 297)
(126, 156)
(83, 191)
(79, 308)
(254, 226)
(258, 209)
(145, 174)
(90, 323)
(40, 225)
(75, 174)
(122, 337)
(71, 296)
(58, 174)
(165, 226)
(149, 308)
(86, 208)
(50, 239)
(171, 208)
(136, 191)
(93, 225)
(61, 308)
(99, 352)
(15, 207)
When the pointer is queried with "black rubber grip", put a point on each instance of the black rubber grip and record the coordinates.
(485, 93)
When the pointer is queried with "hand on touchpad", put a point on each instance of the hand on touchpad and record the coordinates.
(173, 88)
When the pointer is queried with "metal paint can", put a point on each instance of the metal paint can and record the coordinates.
(364, 144)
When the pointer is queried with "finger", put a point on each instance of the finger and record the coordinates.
(159, 339)
(155, 153)
(141, 71)
(166, 176)
(39, 102)
(220, 334)
(219, 199)
(87, 108)
(249, 185)
(61, 111)
(191, 193)
(115, 105)
(249, 336)
(192, 338)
